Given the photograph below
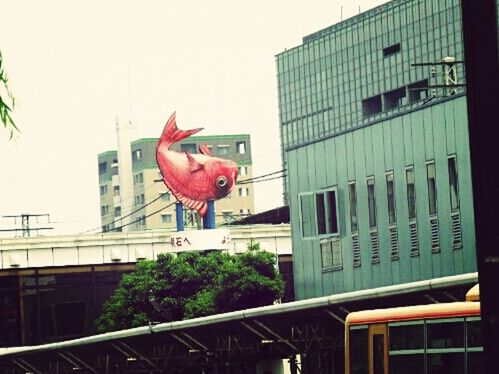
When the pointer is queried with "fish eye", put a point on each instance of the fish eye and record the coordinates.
(222, 181)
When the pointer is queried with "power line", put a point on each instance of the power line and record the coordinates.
(128, 215)
(249, 180)
(25, 223)
(142, 218)
(262, 180)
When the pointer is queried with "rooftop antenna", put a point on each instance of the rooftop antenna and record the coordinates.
(341, 13)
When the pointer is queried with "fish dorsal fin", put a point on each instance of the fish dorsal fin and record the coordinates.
(203, 148)
(172, 134)
(193, 164)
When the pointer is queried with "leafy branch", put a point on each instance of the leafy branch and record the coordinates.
(6, 98)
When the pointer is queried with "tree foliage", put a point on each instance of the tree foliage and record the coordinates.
(6, 98)
(192, 285)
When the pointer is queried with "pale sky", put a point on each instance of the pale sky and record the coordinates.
(76, 65)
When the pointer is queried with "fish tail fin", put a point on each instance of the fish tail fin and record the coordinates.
(172, 134)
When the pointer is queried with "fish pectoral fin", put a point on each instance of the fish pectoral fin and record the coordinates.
(203, 148)
(193, 164)
(200, 206)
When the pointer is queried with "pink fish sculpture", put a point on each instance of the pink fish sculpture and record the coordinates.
(193, 178)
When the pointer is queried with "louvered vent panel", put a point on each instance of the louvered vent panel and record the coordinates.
(413, 234)
(394, 247)
(435, 243)
(457, 242)
(356, 250)
(374, 247)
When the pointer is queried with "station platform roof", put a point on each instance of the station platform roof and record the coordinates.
(270, 332)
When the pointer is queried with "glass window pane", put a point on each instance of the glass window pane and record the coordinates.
(332, 225)
(444, 363)
(476, 363)
(379, 354)
(453, 186)
(353, 207)
(371, 202)
(407, 364)
(359, 363)
(406, 337)
(474, 333)
(321, 213)
(411, 193)
(432, 188)
(445, 335)
(390, 192)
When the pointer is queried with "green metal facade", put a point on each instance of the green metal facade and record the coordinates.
(338, 144)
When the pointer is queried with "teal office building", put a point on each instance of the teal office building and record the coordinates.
(374, 133)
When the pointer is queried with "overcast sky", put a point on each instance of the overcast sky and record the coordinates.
(75, 65)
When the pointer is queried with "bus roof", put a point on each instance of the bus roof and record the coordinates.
(410, 313)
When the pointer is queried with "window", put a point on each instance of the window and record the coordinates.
(453, 185)
(102, 168)
(104, 210)
(326, 212)
(411, 192)
(318, 213)
(137, 155)
(390, 194)
(432, 188)
(139, 199)
(166, 218)
(116, 190)
(223, 150)
(418, 91)
(394, 99)
(165, 196)
(359, 350)
(406, 347)
(244, 191)
(138, 178)
(352, 194)
(117, 211)
(188, 147)
(103, 190)
(445, 334)
(371, 106)
(388, 51)
(244, 212)
(371, 202)
(243, 170)
(241, 147)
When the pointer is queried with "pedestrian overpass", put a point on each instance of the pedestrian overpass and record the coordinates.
(307, 334)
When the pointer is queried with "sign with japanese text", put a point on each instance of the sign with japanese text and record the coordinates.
(200, 240)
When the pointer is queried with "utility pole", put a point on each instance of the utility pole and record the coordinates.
(482, 83)
(25, 223)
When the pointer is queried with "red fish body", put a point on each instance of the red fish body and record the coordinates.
(193, 178)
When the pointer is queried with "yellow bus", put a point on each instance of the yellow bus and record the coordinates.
(422, 339)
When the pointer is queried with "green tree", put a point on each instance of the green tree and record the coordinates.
(192, 285)
(6, 98)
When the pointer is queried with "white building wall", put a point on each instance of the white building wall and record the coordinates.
(49, 251)
(125, 132)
